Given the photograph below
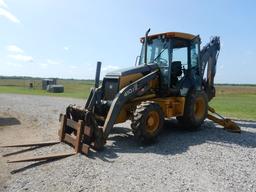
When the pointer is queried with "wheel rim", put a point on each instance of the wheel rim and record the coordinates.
(199, 108)
(152, 121)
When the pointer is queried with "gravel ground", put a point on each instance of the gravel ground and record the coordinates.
(210, 159)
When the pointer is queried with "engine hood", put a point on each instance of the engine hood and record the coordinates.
(144, 69)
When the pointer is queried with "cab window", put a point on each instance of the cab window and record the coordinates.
(194, 54)
(181, 54)
(157, 52)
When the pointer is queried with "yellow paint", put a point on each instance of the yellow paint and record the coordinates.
(171, 35)
(123, 116)
(128, 79)
(171, 106)
(152, 122)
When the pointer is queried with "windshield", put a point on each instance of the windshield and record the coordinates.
(157, 52)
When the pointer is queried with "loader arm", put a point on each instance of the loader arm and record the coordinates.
(209, 55)
(127, 93)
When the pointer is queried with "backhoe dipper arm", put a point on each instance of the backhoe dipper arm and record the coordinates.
(127, 93)
(209, 55)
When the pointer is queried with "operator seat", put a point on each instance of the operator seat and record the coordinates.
(176, 71)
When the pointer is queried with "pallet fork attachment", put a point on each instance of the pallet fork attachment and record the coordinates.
(81, 131)
(74, 140)
(228, 124)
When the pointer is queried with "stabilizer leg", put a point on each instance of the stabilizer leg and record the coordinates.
(228, 124)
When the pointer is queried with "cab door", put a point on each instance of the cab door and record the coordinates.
(180, 62)
(184, 66)
(194, 64)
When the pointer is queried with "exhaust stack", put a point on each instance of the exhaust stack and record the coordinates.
(97, 76)
(146, 46)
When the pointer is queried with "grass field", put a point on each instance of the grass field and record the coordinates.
(73, 88)
(236, 101)
(232, 101)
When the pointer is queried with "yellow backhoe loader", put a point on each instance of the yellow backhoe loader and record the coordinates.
(173, 77)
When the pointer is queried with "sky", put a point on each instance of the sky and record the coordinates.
(65, 39)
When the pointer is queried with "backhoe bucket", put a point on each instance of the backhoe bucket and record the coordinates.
(231, 126)
(228, 124)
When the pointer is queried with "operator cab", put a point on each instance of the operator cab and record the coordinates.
(177, 56)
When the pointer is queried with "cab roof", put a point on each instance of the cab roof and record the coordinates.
(172, 35)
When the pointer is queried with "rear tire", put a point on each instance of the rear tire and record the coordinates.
(147, 122)
(195, 111)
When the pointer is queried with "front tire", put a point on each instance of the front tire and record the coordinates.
(147, 122)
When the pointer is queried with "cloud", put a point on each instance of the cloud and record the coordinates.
(3, 4)
(53, 62)
(14, 49)
(14, 64)
(20, 57)
(73, 67)
(8, 15)
(16, 53)
(66, 48)
(44, 65)
(110, 68)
